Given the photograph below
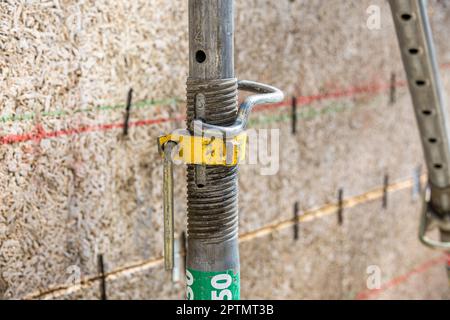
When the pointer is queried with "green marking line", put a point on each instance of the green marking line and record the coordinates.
(138, 105)
(306, 112)
(60, 113)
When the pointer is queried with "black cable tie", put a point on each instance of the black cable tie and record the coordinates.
(296, 221)
(127, 112)
(340, 206)
(294, 115)
(385, 191)
(392, 94)
(101, 270)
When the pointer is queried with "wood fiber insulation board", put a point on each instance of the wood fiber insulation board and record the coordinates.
(73, 187)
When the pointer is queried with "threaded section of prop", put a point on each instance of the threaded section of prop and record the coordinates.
(213, 209)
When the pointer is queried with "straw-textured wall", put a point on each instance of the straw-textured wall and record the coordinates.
(73, 187)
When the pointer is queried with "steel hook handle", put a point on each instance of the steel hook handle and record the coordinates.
(264, 94)
(426, 222)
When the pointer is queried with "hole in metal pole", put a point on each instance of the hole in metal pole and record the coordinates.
(427, 112)
(421, 83)
(438, 166)
(432, 140)
(406, 16)
(200, 56)
(413, 51)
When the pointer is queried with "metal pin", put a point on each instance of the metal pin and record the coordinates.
(340, 206)
(176, 276)
(294, 115)
(385, 191)
(101, 270)
(296, 221)
(392, 94)
(200, 175)
(200, 170)
(127, 112)
(180, 257)
(168, 206)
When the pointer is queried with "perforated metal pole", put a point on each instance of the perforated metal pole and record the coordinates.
(419, 59)
(212, 269)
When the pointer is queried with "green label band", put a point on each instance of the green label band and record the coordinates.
(222, 285)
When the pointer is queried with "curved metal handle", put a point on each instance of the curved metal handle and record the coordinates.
(426, 222)
(265, 94)
(168, 206)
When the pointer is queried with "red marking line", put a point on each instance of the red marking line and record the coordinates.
(349, 92)
(39, 133)
(403, 278)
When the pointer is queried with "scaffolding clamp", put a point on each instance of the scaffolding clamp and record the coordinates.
(431, 219)
(204, 149)
(205, 144)
(181, 146)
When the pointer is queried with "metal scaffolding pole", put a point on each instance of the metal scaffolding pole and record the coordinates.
(419, 59)
(212, 147)
(213, 251)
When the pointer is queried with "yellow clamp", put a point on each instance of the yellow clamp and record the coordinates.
(206, 150)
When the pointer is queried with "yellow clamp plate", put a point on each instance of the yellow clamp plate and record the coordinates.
(206, 150)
